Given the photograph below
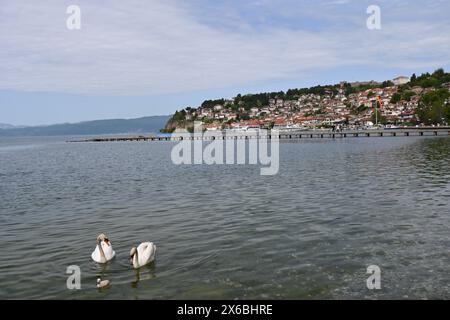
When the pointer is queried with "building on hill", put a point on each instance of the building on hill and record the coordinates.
(400, 80)
(364, 83)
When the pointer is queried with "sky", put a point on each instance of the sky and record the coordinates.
(140, 58)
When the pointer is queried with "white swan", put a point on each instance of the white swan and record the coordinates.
(142, 255)
(103, 251)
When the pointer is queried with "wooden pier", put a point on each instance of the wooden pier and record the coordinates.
(286, 135)
(124, 139)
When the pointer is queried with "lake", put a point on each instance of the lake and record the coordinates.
(225, 231)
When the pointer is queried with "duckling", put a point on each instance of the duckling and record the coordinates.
(102, 283)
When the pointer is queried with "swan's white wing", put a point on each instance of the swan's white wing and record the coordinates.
(152, 253)
(107, 250)
(96, 255)
(146, 253)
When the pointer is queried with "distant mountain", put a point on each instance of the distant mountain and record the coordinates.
(6, 126)
(115, 126)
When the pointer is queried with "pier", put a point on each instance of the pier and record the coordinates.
(124, 139)
(290, 134)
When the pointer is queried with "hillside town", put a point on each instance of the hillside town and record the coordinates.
(351, 105)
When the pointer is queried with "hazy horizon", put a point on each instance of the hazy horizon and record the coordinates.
(82, 121)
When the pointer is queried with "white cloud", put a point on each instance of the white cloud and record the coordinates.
(154, 47)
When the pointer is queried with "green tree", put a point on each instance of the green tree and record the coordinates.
(407, 95)
(387, 83)
(438, 74)
(396, 97)
(179, 116)
(434, 107)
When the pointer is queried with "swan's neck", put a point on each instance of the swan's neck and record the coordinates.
(136, 260)
(102, 253)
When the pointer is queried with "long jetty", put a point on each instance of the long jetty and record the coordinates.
(289, 134)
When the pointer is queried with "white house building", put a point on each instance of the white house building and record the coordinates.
(400, 80)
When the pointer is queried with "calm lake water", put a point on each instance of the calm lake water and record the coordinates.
(227, 232)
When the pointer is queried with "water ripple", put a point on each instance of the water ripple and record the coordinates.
(225, 231)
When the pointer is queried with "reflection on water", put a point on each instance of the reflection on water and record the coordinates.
(335, 208)
(143, 274)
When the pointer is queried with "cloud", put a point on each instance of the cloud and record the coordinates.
(156, 47)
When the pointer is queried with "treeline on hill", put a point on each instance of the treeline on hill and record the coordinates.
(433, 106)
(427, 80)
